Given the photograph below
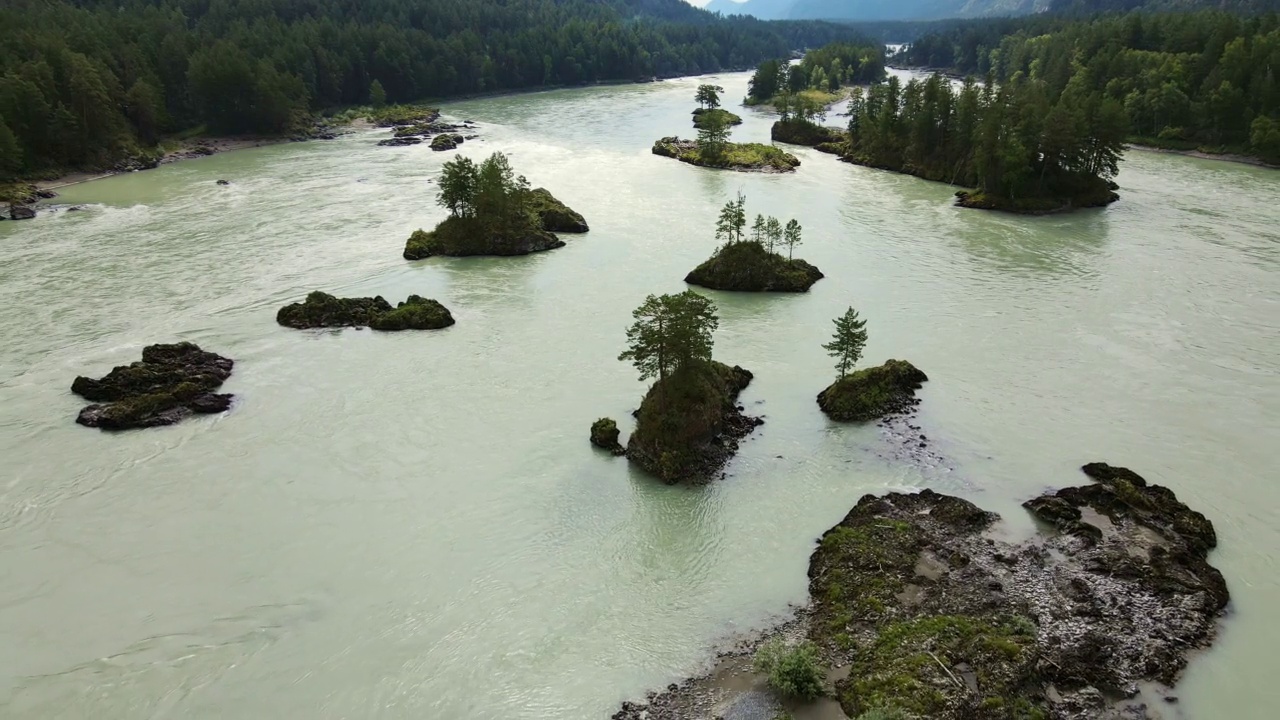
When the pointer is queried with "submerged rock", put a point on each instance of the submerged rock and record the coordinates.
(554, 215)
(604, 435)
(324, 310)
(872, 392)
(170, 383)
(462, 237)
(689, 424)
(400, 141)
(749, 266)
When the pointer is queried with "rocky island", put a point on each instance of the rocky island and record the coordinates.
(872, 392)
(170, 383)
(747, 262)
(704, 117)
(492, 212)
(928, 616)
(743, 157)
(689, 422)
(798, 131)
(321, 310)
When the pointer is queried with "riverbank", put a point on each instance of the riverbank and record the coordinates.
(1224, 157)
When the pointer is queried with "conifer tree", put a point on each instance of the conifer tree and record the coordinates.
(847, 343)
(669, 333)
(791, 237)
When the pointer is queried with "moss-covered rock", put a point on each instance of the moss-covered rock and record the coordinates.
(689, 424)
(1099, 196)
(743, 157)
(447, 141)
(461, 237)
(872, 392)
(554, 215)
(604, 435)
(170, 383)
(749, 266)
(702, 117)
(801, 132)
(324, 310)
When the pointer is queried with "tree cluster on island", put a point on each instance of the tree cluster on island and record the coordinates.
(750, 260)
(88, 84)
(819, 75)
(713, 147)
(1205, 80)
(709, 111)
(492, 211)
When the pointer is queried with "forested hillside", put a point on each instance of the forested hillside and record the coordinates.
(1183, 79)
(85, 83)
(871, 10)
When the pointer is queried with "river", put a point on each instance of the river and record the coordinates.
(413, 525)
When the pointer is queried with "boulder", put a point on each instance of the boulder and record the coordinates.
(224, 182)
(873, 392)
(46, 194)
(555, 215)
(750, 267)
(604, 435)
(170, 383)
(447, 141)
(399, 141)
(21, 212)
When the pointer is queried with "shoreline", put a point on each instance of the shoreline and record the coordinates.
(1223, 157)
(186, 151)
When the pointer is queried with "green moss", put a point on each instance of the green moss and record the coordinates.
(749, 266)
(415, 313)
(554, 215)
(604, 434)
(21, 193)
(702, 117)
(871, 393)
(459, 237)
(734, 156)
(402, 115)
(859, 569)
(904, 667)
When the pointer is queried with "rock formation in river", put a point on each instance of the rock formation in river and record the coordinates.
(803, 132)
(703, 117)
(872, 392)
(604, 435)
(744, 157)
(934, 618)
(461, 237)
(447, 141)
(689, 423)
(749, 266)
(554, 215)
(170, 383)
(324, 310)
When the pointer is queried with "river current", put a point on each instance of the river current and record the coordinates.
(413, 525)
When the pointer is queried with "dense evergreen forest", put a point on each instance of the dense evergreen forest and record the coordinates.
(87, 82)
(1183, 80)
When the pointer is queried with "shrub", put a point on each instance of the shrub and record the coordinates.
(793, 672)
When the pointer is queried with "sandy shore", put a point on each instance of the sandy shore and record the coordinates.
(1225, 157)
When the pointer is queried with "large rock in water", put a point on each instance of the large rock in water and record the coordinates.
(324, 310)
(801, 132)
(936, 619)
(872, 392)
(604, 435)
(462, 237)
(170, 383)
(689, 424)
(446, 142)
(554, 215)
(21, 212)
(749, 266)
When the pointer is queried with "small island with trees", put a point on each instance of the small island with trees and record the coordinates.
(492, 211)
(689, 423)
(321, 310)
(748, 262)
(869, 393)
(713, 149)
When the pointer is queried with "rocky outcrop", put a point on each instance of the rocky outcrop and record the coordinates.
(21, 212)
(802, 132)
(702, 117)
(604, 435)
(170, 383)
(689, 423)
(402, 115)
(554, 215)
(750, 267)
(1101, 196)
(462, 237)
(400, 141)
(743, 157)
(932, 617)
(322, 310)
(873, 392)
(446, 142)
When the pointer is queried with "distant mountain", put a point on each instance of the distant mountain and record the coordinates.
(879, 9)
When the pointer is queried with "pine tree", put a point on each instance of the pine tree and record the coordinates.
(10, 154)
(847, 343)
(713, 135)
(732, 223)
(773, 231)
(758, 229)
(377, 95)
(791, 237)
(669, 333)
(709, 96)
(459, 180)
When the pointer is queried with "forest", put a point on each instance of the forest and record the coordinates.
(826, 68)
(1183, 80)
(84, 84)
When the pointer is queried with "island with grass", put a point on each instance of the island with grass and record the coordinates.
(492, 211)
(689, 423)
(322, 310)
(713, 148)
(709, 111)
(747, 261)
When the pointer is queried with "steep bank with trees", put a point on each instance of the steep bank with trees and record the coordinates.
(1204, 80)
(822, 73)
(86, 84)
(1025, 145)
